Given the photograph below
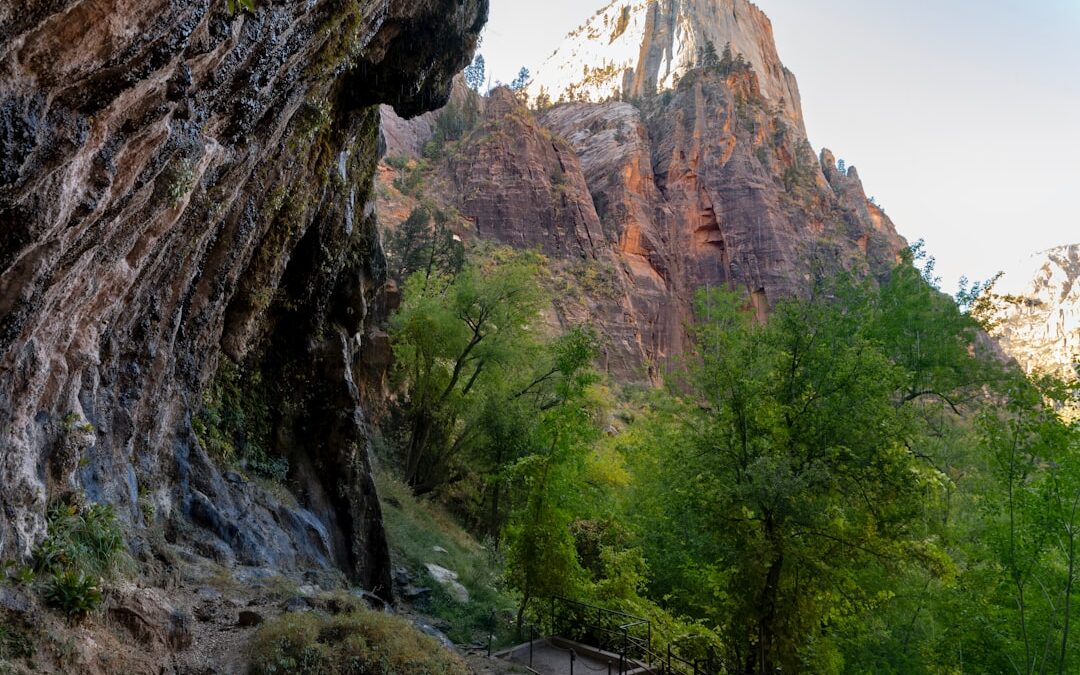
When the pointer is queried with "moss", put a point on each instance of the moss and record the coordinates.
(16, 638)
(235, 422)
(342, 34)
(178, 179)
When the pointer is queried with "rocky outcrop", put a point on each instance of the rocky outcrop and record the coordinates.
(522, 186)
(189, 267)
(1036, 314)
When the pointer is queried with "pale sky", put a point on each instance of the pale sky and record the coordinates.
(963, 116)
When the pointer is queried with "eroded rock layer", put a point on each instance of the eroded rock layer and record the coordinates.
(189, 266)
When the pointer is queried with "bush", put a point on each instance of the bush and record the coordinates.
(363, 641)
(85, 544)
(86, 539)
(73, 593)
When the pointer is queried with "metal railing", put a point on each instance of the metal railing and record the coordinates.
(626, 636)
(609, 630)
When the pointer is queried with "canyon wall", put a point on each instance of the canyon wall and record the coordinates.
(189, 265)
(1037, 312)
(632, 49)
(642, 199)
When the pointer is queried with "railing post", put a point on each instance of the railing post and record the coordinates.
(573, 657)
(625, 639)
(491, 632)
(532, 638)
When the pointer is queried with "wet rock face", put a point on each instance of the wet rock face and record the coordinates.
(182, 188)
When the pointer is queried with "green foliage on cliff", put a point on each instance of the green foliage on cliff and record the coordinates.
(424, 243)
(235, 422)
(84, 547)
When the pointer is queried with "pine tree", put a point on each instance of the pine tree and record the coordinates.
(521, 80)
(474, 73)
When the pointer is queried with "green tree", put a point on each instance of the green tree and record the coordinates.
(477, 370)
(475, 73)
(542, 557)
(925, 333)
(707, 57)
(521, 80)
(452, 337)
(793, 465)
(426, 244)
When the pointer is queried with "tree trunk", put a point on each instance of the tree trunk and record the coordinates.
(767, 623)
(521, 612)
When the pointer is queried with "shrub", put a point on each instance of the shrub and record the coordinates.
(363, 641)
(87, 539)
(73, 593)
(85, 544)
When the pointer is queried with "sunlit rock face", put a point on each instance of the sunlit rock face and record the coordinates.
(1038, 312)
(633, 49)
(656, 178)
(186, 193)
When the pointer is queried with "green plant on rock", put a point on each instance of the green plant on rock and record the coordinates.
(87, 539)
(85, 545)
(234, 6)
(179, 180)
(235, 422)
(73, 593)
(15, 574)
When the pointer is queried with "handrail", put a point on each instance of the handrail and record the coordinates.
(610, 630)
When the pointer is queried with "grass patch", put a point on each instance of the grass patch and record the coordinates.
(414, 528)
(362, 641)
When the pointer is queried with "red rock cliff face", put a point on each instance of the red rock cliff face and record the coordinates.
(185, 191)
(705, 185)
(523, 186)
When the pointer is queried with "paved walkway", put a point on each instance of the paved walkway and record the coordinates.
(551, 659)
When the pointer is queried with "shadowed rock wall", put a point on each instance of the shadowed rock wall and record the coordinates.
(186, 225)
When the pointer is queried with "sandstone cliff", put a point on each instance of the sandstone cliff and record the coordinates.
(709, 183)
(1037, 312)
(636, 48)
(189, 264)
